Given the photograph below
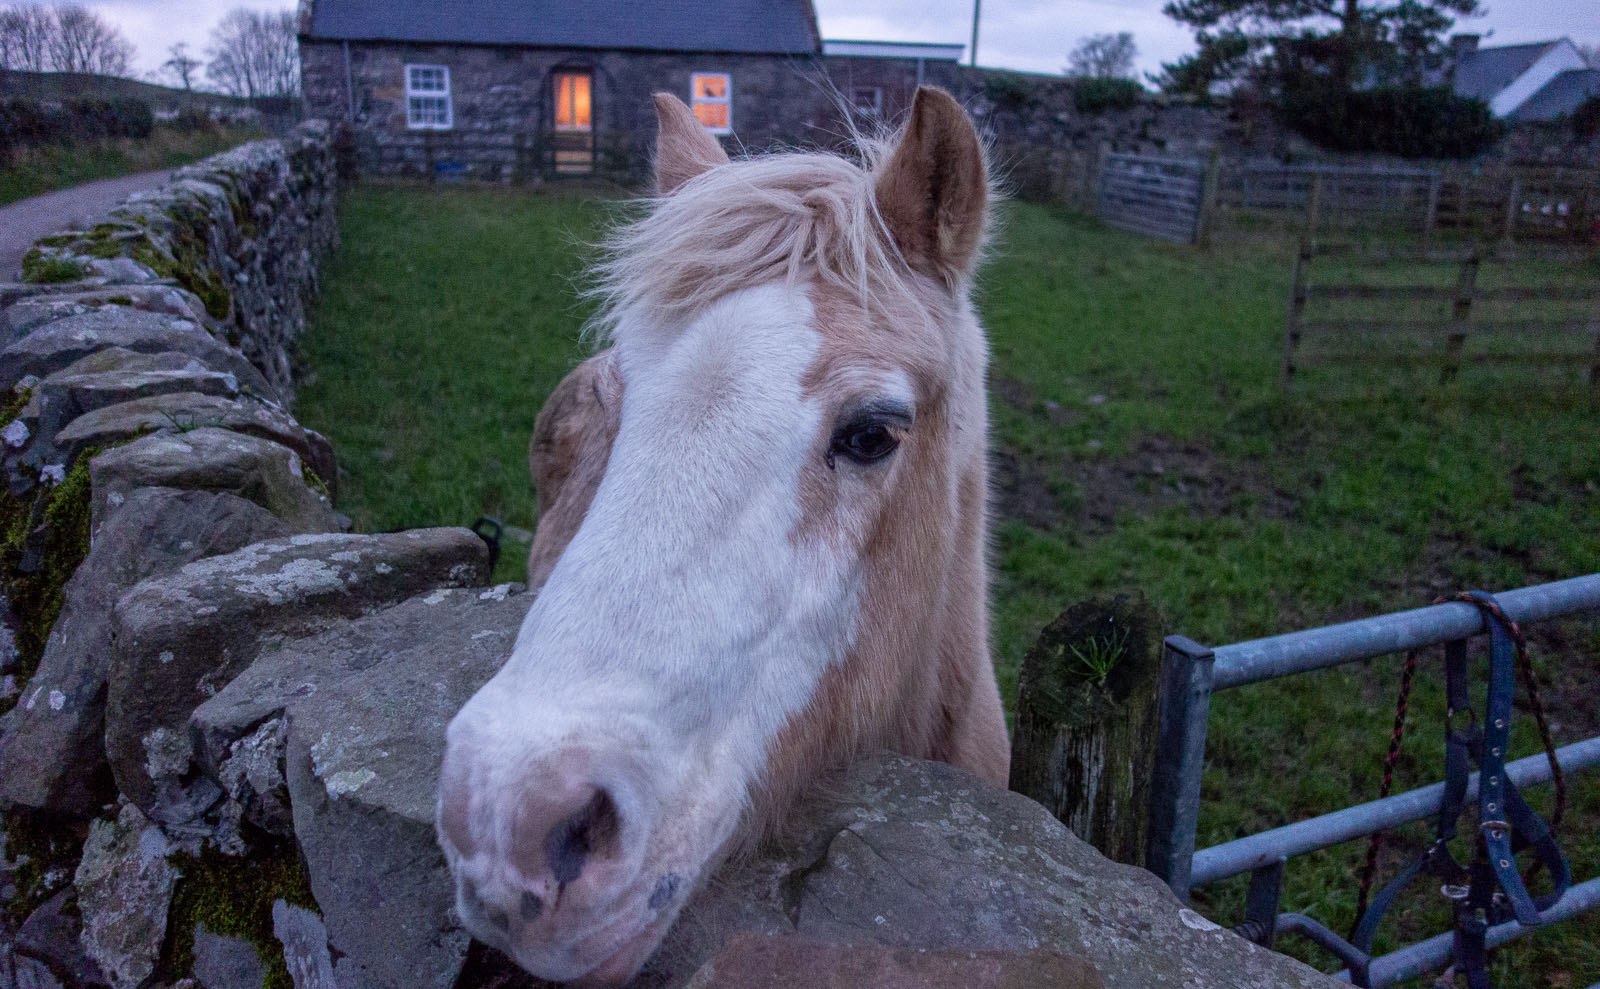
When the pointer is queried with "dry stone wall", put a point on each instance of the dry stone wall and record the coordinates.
(223, 714)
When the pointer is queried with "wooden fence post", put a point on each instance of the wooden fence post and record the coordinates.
(1313, 205)
(1100, 164)
(1512, 195)
(1297, 307)
(1431, 218)
(1206, 218)
(1594, 368)
(1087, 722)
(1461, 311)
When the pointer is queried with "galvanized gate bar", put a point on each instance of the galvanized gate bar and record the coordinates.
(1297, 652)
(1257, 850)
(1434, 953)
(1175, 788)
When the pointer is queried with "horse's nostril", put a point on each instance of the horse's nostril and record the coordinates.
(593, 829)
(666, 889)
(532, 907)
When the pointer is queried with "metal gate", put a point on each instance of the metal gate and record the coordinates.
(1192, 673)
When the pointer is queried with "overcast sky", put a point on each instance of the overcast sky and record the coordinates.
(1033, 35)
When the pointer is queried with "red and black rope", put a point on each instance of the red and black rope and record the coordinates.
(1370, 868)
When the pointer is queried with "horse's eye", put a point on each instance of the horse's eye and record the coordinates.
(865, 442)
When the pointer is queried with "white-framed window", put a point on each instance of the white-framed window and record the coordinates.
(867, 100)
(711, 95)
(428, 98)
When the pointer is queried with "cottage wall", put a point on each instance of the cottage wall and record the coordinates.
(502, 104)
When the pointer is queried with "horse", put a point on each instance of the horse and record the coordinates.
(761, 544)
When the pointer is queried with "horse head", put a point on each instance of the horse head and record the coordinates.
(764, 534)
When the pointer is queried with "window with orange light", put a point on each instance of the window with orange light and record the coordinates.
(711, 95)
(572, 100)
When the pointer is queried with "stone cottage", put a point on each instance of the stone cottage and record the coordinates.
(527, 89)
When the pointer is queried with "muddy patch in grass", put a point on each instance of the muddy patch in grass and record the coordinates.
(1161, 473)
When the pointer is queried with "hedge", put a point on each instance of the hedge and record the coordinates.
(25, 122)
(1413, 122)
(1100, 95)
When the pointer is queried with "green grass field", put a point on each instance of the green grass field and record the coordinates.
(1141, 441)
(31, 171)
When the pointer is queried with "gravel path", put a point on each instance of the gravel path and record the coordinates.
(24, 222)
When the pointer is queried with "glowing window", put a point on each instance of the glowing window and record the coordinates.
(711, 95)
(428, 104)
(572, 100)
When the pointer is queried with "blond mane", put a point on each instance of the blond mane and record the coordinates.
(775, 217)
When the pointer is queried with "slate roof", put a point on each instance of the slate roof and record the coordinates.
(1560, 96)
(786, 27)
(1485, 72)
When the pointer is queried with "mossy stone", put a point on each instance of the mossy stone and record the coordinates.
(233, 896)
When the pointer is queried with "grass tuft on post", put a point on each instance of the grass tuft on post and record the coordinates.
(1086, 721)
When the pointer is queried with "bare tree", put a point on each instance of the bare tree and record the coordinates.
(84, 41)
(182, 66)
(255, 53)
(1104, 56)
(25, 32)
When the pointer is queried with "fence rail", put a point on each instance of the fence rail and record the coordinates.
(1441, 339)
(1513, 204)
(1192, 673)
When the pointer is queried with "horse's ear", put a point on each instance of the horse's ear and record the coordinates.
(684, 148)
(931, 192)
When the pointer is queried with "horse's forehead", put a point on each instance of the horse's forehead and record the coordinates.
(894, 338)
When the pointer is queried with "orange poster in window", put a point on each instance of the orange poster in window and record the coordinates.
(713, 115)
(710, 87)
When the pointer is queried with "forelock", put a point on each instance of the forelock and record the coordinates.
(785, 217)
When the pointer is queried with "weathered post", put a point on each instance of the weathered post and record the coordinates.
(1313, 205)
(1430, 219)
(1297, 308)
(1594, 368)
(1206, 219)
(1513, 194)
(1087, 722)
(1460, 315)
(1102, 162)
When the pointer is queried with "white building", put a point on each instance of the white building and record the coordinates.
(1540, 81)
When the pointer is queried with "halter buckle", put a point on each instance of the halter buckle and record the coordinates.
(1493, 828)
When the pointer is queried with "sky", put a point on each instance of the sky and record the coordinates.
(1031, 35)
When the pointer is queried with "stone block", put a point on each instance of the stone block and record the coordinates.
(180, 639)
(184, 412)
(212, 459)
(56, 346)
(125, 885)
(52, 747)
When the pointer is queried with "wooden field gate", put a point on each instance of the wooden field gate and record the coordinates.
(1383, 335)
(1159, 197)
